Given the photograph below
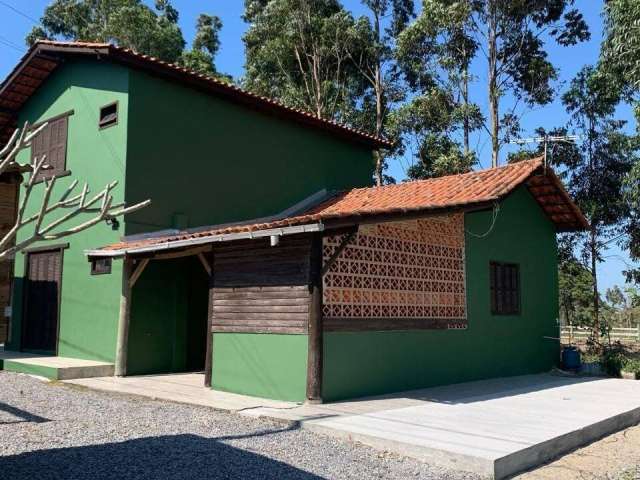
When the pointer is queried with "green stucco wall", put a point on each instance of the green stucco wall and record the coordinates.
(89, 306)
(168, 318)
(358, 364)
(204, 160)
(261, 365)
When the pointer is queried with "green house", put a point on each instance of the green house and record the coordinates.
(264, 259)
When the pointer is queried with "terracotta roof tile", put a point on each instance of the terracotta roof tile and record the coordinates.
(41, 56)
(433, 195)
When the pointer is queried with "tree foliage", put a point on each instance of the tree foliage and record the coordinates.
(131, 24)
(620, 64)
(508, 37)
(598, 168)
(301, 52)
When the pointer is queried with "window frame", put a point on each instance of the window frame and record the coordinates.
(494, 266)
(103, 126)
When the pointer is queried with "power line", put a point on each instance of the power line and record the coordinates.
(11, 44)
(22, 14)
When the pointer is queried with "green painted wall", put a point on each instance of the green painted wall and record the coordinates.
(358, 364)
(214, 161)
(89, 307)
(270, 366)
(203, 160)
(168, 318)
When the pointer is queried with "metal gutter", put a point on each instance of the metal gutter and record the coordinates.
(226, 237)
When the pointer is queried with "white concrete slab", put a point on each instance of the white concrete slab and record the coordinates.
(495, 427)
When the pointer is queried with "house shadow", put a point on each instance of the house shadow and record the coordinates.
(181, 457)
(20, 415)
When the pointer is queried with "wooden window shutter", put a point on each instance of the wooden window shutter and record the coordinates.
(504, 285)
(52, 142)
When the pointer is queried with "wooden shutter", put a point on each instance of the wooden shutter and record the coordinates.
(504, 284)
(52, 142)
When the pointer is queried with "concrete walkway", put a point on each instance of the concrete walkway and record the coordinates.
(180, 387)
(494, 427)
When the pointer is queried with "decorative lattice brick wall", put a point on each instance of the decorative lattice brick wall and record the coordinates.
(412, 269)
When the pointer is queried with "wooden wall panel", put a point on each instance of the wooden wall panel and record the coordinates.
(8, 206)
(258, 288)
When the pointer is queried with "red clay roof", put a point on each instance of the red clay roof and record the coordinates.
(45, 56)
(465, 192)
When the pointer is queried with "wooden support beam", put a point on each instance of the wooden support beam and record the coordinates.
(124, 319)
(138, 271)
(315, 350)
(207, 260)
(205, 263)
(341, 247)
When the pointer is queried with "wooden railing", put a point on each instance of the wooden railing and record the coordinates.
(617, 333)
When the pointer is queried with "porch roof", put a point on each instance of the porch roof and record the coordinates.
(464, 192)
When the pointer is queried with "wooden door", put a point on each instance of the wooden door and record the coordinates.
(42, 300)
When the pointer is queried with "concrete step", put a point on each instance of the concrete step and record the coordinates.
(53, 367)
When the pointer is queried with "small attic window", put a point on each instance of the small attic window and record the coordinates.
(108, 115)
(100, 266)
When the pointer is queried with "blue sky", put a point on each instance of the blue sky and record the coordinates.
(14, 26)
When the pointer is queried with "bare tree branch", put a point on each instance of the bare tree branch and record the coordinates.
(100, 206)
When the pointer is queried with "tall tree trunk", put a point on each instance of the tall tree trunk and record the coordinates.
(594, 274)
(494, 97)
(379, 91)
(465, 98)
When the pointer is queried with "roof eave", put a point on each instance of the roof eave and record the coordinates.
(193, 242)
(195, 80)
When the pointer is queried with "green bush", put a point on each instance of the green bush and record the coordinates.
(613, 359)
(632, 366)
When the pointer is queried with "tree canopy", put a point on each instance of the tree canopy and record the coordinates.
(132, 24)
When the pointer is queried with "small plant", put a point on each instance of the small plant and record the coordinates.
(632, 366)
(614, 358)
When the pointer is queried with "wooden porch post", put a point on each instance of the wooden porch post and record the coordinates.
(123, 319)
(314, 359)
(207, 259)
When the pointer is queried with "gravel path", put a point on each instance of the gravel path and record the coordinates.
(51, 431)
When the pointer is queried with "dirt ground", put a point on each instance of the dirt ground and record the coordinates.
(616, 457)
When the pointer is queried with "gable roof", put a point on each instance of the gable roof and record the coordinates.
(45, 56)
(464, 192)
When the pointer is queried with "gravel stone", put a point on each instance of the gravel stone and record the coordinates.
(57, 431)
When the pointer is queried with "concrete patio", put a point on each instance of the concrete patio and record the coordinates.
(495, 427)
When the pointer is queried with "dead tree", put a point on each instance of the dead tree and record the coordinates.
(72, 202)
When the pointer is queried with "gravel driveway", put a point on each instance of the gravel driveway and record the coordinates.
(50, 431)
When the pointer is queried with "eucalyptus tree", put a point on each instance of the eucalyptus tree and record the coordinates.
(301, 52)
(597, 176)
(508, 38)
(206, 43)
(373, 56)
(620, 62)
